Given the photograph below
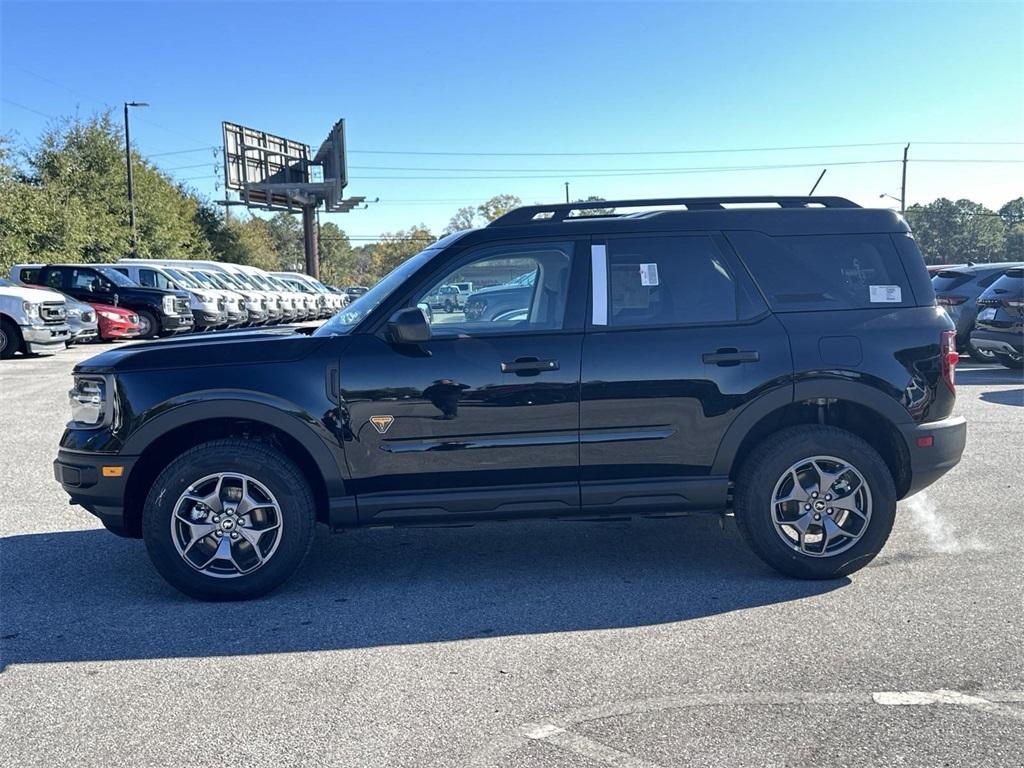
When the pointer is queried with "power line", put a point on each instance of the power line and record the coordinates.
(673, 151)
(27, 109)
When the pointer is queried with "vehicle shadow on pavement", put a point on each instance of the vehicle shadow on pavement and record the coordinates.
(1005, 396)
(88, 596)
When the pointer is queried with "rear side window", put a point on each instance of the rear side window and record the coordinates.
(948, 279)
(825, 272)
(671, 281)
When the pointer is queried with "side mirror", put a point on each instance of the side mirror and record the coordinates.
(409, 326)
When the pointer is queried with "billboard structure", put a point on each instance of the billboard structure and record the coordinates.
(273, 173)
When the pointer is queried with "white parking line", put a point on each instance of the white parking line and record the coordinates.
(944, 696)
(557, 731)
(584, 746)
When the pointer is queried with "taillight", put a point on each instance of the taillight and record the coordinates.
(1013, 303)
(945, 300)
(947, 350)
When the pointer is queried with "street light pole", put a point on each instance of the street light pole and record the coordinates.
(131, 186)
(903, 184)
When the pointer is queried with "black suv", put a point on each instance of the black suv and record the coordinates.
(788, 364)
(957, 290)
(1000, 324)
(160, 311)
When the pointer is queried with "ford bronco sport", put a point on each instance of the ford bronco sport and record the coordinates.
(787, 363)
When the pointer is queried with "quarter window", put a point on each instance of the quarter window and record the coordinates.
(810, 272)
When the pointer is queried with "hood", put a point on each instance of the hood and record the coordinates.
(35, 295)
(121, 311)
(244, 347)
(156, 294)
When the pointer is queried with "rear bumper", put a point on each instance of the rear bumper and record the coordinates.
(999, 341)
(81, 477)
(45, 338)
(929, 462)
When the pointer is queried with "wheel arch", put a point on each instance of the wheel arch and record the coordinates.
(857, 408)
(163, 438)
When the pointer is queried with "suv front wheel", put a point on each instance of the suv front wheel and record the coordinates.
(228, 520)
(815, 502)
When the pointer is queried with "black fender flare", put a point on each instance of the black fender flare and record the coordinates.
(808, 389)
(289, 418)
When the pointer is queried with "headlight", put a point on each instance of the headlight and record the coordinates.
(74, 312)
(88, 399)
(168, 305)
(109, 315)
(31, 310)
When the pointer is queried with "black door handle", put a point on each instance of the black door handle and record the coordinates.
(526, 366)
(730, 356)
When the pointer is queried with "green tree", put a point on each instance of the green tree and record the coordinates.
(255, 244)
(497, 206)
(949, 232)
(464, 218)
(337, 259)
(286, 232)
(395, 247)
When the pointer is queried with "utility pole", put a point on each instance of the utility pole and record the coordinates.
(309, 238)
(903, 185)
(131, 187)
(567, 191)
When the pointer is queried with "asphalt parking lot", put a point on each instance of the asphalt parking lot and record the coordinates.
(646, 643)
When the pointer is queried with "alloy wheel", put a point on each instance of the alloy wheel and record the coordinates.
(226, 525)
(821, 506)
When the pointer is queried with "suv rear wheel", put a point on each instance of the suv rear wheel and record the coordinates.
(815, 502)
(228, 520)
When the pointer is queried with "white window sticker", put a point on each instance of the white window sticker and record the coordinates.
(886, 294)
(648, 274)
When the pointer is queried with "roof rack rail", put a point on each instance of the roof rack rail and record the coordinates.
(557, 212)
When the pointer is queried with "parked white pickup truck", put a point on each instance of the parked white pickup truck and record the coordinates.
(31, 320)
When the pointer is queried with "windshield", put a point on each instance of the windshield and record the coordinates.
(187, 280)
(116, 277)
(348, 318)
(202, 278)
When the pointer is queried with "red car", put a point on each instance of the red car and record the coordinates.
(115, 322)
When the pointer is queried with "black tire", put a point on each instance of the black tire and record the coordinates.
(770, 460)
(150, 325)
(10, 339)
(448, 307)
(981, 355)
(264, 464)
(1014, 363)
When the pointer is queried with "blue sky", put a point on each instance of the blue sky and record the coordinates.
(547, 78)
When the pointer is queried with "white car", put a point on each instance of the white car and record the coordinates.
(32, 321)
(329, 301)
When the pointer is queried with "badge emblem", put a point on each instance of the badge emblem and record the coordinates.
(382, 423)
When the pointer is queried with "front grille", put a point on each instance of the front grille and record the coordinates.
(181, 306)
(53, 312)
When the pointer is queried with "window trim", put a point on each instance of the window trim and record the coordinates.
(737, 271)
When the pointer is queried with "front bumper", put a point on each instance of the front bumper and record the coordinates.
(81, 476)
(84, 334)
(999, 341)
(45, 338)
(176, 323)
(931, 459)
(205, 319)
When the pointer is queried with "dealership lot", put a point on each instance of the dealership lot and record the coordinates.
(644, 643)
